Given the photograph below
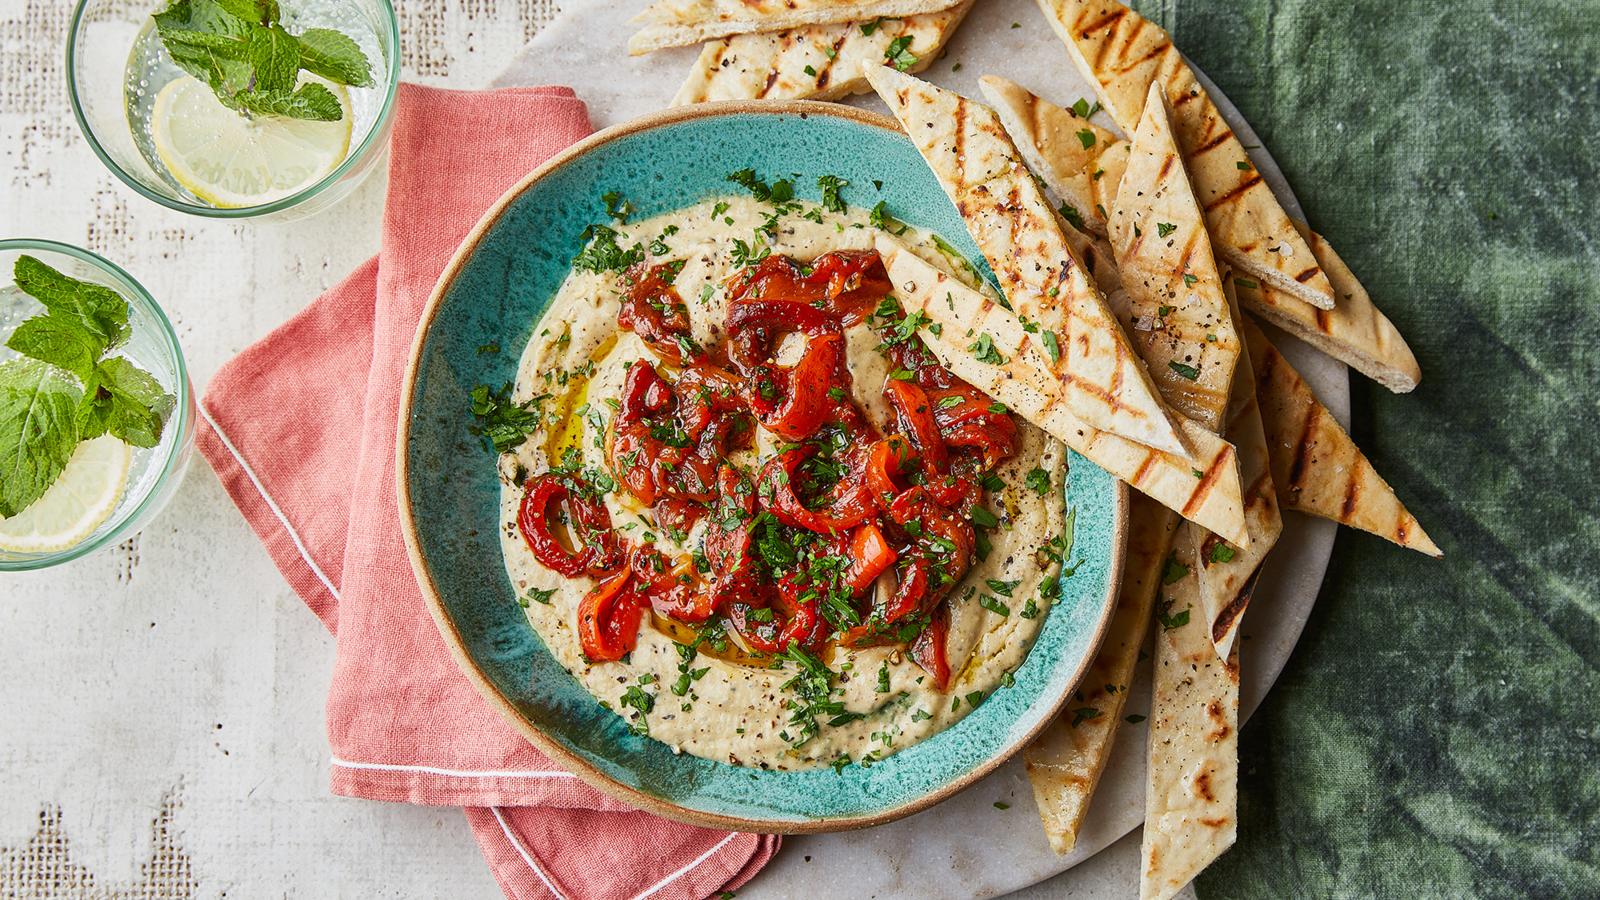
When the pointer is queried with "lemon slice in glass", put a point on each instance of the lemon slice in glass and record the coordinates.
(83, 496)
(229, 160)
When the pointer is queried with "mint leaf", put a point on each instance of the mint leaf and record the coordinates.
(125, 400)
(310, 101)
(334, 56)
(275, 54)
(252, 64)
(38, 431)
(96, 308)
(60, 341)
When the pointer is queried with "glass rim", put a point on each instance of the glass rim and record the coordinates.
(241, 212)
(184, 420)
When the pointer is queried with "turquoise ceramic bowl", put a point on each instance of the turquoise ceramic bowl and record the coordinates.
(495, 291)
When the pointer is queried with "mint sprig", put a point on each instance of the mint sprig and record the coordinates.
(253, 64)
(67, 389)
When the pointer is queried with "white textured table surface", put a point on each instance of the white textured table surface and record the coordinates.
(161, 729)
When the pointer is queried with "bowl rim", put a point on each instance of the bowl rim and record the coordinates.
(377, 134)
(136, 295)
(452, 637)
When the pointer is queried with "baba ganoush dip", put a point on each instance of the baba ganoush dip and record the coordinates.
(753, 514)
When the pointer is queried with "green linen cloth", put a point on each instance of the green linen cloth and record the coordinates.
(1437, 731)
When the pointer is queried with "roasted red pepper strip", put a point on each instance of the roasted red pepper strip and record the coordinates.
(887, 465)
(915, 412)
(653, 310)
(674, 591)
(870, 556)
(968, 418)
(598, 551)
(533, 520)
(849, 505)
(929, 651)
(793, 620)
(608, 619)
(847, 282)
(802, 402)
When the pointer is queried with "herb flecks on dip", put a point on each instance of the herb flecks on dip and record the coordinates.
(748, 508)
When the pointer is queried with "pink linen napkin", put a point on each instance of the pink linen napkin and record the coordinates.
(300, 428)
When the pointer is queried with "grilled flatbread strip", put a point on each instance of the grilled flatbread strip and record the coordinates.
(1228, 572)
(676, 23)
(1045, 283)
(1182, 327)
(1316, 468)
(1123, 54)
(1207, 491)
(1192, 775)
(1078, 160)
(818, 62)
(1355, 333)
(1065, 762)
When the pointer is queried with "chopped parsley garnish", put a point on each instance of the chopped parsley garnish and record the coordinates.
(1165, 228)
(899, 53)
(1071, 214)
(1133, 719)
(1169, 620)
(505, 423)
(1222, 553)
(984, 351)
(780, 191)
(1189, 280)
(601, 252)
(1086, 137)
(830, 186)
(1189, 372)
(745, 255)
(1052, 346)
(1038, 480)
(639, 699)
(1083, 110)
(537, 595)
(880, 218)
(1001, 805)
(1030, 610)
(812, 687)
(1083, 714)
(617, 206)
(983, 518)
(883, 678)
(1174, 571)
(867, 28)
(1002, 587)
(994, 604)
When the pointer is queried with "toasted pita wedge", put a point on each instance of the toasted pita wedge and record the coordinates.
(1078, 160)
(1316, 468)
(1123, 54)
(1005, 210)
(1065, 761)
(1355, 332)
(1181, 325)
(818, 62)
(677, 23)
(1227, 572)
(1027, 379)
(1192, 777)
